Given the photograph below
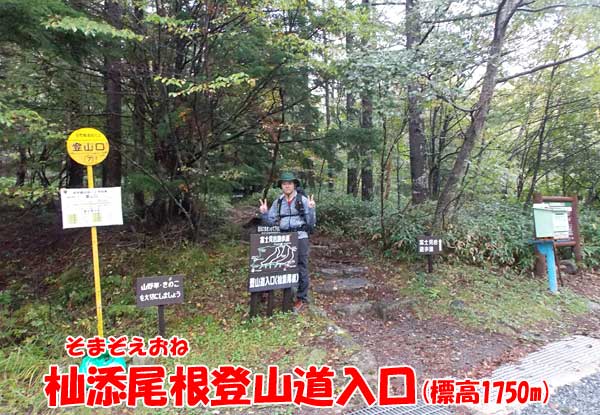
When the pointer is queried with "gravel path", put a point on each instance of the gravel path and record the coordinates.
(580, 398)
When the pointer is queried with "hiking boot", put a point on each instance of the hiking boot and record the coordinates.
(299, 306)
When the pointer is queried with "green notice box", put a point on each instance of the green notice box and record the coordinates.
(544, 222)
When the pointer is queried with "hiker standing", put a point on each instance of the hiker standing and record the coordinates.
(293, 211)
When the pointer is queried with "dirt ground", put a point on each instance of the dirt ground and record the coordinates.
(32, 246)
(438, 347)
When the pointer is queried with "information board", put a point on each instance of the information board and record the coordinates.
(159, 290)
(429, 245)
(100, 206)
(273, 261)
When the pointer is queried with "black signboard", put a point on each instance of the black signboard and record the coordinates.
(430, 245)
(273, 261)
(161, 290)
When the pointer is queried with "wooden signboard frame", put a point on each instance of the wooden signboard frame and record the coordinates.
(256, 294)
(574, 242)
(429, 246)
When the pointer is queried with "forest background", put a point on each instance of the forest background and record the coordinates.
(400, 117)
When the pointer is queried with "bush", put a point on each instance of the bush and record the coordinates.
(343, 214)
(589, 228)
(494, 232)
(402, 227)
(27, 196)
(483, 233)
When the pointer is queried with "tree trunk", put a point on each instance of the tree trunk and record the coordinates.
(271, 179)
(352, 187)
(542, 139)
(353, 156)
(436, 179)
(366, 123)
(276, 137)
(398, 181)
(74, 174)
(385, 161)
(22, 168)
(330, 180)
(416, 134)
(140, 82)
(388, 179)
(111, 173)
(366, 173)
(504, 13)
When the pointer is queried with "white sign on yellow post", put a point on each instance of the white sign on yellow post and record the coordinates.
(84, 208)
(89, 147)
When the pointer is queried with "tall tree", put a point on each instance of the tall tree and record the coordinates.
(504, 12)
(416, 129)
(112, 167)
(351, 119)
(366, 123)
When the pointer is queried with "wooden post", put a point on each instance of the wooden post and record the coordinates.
(540, 260)
(270, 302)
(254, 300)
(577, 247)
(557, 264)
(575, 244)
(161, 320)
(287, 300)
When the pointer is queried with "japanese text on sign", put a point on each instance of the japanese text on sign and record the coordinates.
(87, 146)
(267, 229)
(124, 346)
(83, 208)
(275, 238)
(268, 282)
(273, 261)
(429, 245)
(160, 290)
(476, 392)
(228, 385)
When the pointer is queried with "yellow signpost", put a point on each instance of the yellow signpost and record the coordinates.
(89, 147)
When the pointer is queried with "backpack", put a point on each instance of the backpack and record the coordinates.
(300, 208)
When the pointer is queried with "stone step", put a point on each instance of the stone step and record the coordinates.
(384, 309)
(342, 271)
(342, 285)
(353, 309)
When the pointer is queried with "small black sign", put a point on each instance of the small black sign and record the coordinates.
(160, 290)
(429, 245)
(267, 229)
(273, 261)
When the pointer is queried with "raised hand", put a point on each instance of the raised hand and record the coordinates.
(263, 206)
(311, 202)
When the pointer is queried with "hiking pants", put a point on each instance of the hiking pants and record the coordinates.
(303, 280)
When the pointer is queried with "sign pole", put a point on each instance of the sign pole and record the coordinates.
(159, 291)
(161, 320)
(254, 300)
(287, 300)
(429, 246)
(270, 302)
(96, 262)
(88, 147)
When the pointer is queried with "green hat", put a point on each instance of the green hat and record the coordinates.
(288, 177)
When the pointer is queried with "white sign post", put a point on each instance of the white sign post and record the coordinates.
(83, 208)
